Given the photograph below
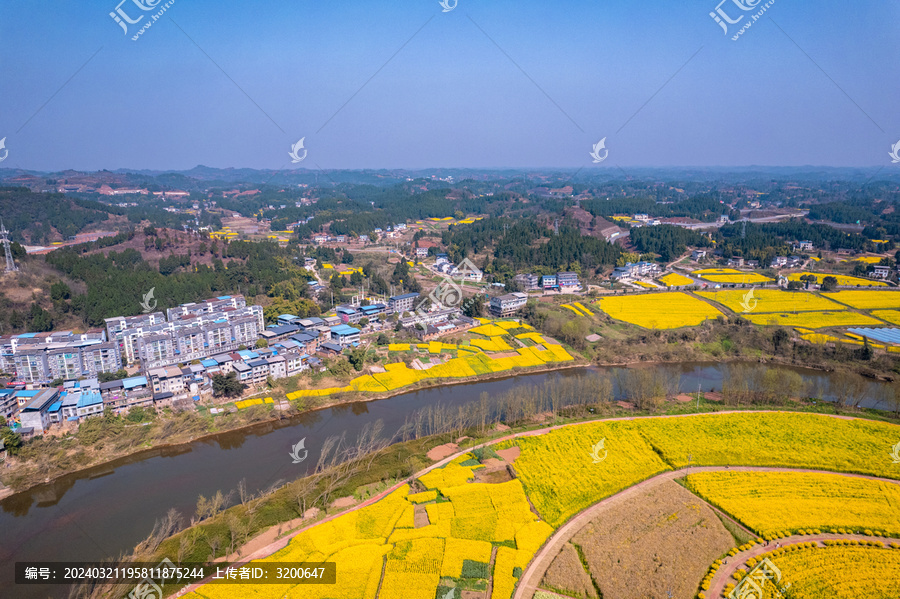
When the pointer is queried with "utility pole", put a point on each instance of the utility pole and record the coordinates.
(4, 237)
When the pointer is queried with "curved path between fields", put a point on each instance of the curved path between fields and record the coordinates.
(533, 575)
(284, 541)
(723, 575)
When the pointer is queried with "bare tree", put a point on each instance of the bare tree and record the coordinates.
(186, 545)
(849, 388)
(162, 529)
(237, 528)
(243, 492)
(300, 491)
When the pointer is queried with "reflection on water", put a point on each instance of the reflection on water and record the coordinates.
(106, 510)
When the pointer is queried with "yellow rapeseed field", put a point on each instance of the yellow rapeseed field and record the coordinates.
(511, 324)
(867, 299)
(869, 259)
(645, 285)
(583, 308)
(891, 316)
(812, 320)
(841, 279)
(669, 310)
(573, 309)
(773, 502)
(674, 279)
(562, 477)
(744, 278)
(488, 330)
(477, 518)
(789, 440)
(770, 300)
(717, 271)
(841, 572)
(492, 344)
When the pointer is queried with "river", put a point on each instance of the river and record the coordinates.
(105, 511)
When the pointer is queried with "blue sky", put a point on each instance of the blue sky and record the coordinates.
(488, 84)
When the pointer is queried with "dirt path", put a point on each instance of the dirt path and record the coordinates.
(532, 576)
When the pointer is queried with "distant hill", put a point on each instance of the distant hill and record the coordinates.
(39, 218)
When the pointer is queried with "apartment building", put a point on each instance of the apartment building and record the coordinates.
(43, 357)
(194, 332)
(403, 303)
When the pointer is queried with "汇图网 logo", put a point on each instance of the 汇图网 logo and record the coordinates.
(295, 451)
(595, 153)
(295, 151)
(596, 449)
(749, 302)
(146, 306)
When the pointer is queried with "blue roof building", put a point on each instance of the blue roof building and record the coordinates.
(134, 382)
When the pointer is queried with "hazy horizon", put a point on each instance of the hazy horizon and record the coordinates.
(371, 87)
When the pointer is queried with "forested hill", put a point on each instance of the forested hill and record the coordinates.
(521, 244)
(39, 218)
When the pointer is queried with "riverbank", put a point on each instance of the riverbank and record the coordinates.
(60, 522)
(259, 551)
(9, 489)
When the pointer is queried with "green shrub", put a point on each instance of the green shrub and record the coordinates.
(473, 569)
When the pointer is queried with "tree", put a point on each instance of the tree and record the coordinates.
(59, 291)
(474, 307)
(829, 283)
(40, 319)
(227, 385)
(382, 339)
(261, 343)
(357, 358)
(105, 377)
(12, 440)
(780, 339)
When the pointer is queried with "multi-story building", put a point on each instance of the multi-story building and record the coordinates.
(632, 271)
(194, 331)
(348, 314)
(44, 357)
(567, 279)
(402, 303)
(169, 379)
(345, 335)
(210, 306)
(35, 415)
(506, 305)
(528, 282)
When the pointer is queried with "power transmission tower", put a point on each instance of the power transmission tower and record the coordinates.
(4, 237)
